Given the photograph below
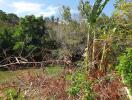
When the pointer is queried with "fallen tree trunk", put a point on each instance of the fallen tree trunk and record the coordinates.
(41, 64)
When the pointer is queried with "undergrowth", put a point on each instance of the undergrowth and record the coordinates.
(125, 68)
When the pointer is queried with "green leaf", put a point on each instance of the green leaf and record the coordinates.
(18, 45)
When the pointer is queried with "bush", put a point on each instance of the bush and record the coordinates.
(125, 68)
(13, 95)
(81, 87)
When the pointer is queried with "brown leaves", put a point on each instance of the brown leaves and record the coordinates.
(109, 89)
(42, 87)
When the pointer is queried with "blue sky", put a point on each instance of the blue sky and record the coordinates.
(46, 8)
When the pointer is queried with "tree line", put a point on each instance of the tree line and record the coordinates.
(38, 39)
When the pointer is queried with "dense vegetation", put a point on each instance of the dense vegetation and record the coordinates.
(96, 49)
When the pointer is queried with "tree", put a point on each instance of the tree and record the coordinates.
(66, 13)
(84, 8)
(34, 28)
(31, 34)
(3, 16)
(6, 34)
(91, 20)
(12, 18)
(52, 19)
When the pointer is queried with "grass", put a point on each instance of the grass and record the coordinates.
(9, 76)
(53, 70)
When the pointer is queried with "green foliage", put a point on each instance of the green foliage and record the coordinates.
(88, 92)
(5, 38)
(125, 68)
(38, 38)
(97, 9)
(11, 19)
(84, 8)
(77, 80)
(66, 13)
(18, 45)
(13, 95)
(80, 82)
(33, 29)
(92, 14)
(24, 36)
(80, 85)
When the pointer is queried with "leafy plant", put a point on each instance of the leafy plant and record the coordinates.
(125, 68)
(80, 87)
(77, 80)
(13, 95)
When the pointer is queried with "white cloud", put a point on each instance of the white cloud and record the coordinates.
(28, 8)
(48, 12)
(22, 6)
(1, 2)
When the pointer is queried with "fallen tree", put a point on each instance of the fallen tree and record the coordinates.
(19, 62)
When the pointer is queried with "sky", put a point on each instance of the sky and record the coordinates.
(45, 8)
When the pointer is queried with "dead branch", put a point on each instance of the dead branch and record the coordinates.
(42, 63)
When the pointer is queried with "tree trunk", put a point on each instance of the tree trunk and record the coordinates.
(93, 51)
(102, 58)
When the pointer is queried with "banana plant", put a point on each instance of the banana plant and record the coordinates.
(97, 10)
(91, 20)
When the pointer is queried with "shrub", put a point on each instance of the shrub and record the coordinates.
(13, 95)
(125, 68)
(81, 87)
